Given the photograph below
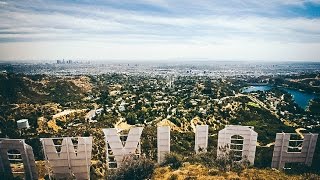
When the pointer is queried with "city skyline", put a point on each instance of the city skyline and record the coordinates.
(152, 30)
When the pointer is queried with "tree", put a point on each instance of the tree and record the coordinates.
(131, 118)
(207, 87)
(104, 98)
(315, 106)
(134, 169)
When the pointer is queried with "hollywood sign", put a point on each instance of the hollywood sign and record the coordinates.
(72, 156)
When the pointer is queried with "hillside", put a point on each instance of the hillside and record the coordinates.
(57, 106)
(18, 88)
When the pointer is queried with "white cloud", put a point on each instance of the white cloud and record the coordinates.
(2, 3)
(112, 24)
(89, 31)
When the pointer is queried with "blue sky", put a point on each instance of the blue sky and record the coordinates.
(272, 30)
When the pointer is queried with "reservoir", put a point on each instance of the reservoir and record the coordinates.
(301, 98)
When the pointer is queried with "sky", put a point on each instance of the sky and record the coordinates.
(236, 30)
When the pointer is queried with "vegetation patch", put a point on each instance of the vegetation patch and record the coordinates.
(253, 104)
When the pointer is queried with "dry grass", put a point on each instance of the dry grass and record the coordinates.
(52, 124)
(42, 171)
(166, 122)
(191, 171)
(83, 82)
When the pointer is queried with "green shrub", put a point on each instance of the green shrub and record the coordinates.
(227, 162)
(173, 177)
(173, 160)
(298, 168)
(134, 169)
(207, 159)
(309, 176)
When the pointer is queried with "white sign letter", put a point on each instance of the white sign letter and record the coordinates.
(73, 158)
(239, 139)
(201, 138)
(283, 144)
(163, 138)
(115, 148)
(24, 151)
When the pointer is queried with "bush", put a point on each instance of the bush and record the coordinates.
(173, 160)
(173, 177)
(263, 157)
(227, 162)
(298, 168)
(134, 169)
(208, 159)
(309, 176)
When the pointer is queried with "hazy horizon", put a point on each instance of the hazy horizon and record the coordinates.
(160, 30)
(165, 61)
